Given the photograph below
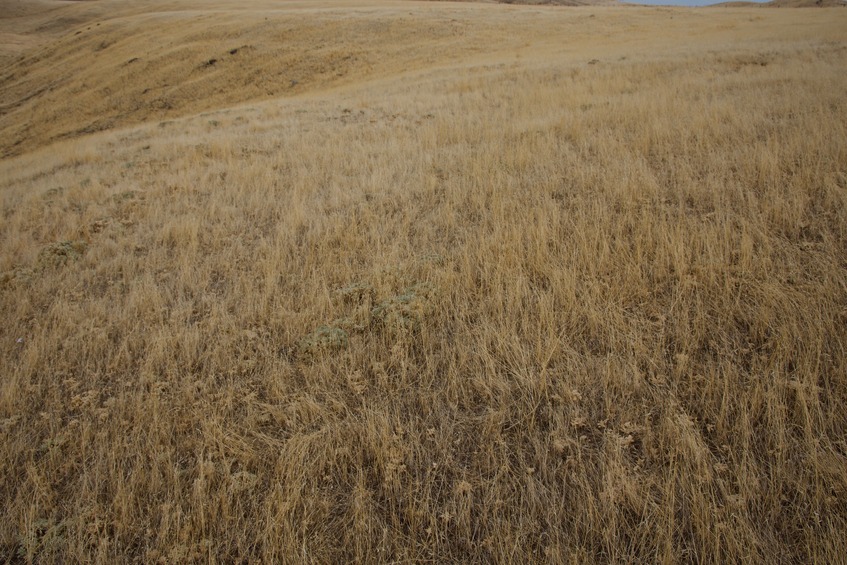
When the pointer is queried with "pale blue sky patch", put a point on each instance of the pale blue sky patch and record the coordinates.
(684, 2)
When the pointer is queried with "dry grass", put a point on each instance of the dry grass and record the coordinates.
(575, 295)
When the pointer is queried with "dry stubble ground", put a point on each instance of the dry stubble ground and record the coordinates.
(452, 282)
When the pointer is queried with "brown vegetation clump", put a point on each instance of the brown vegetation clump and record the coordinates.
(477, 302)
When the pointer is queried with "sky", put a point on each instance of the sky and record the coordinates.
(682, 2)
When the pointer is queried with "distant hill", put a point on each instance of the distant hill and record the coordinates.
(547, 2)
(806, 4)
(786, 4)
(562, 2)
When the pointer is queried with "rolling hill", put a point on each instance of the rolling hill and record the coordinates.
(386, 281)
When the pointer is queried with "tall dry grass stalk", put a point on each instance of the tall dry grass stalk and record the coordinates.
(481, 305)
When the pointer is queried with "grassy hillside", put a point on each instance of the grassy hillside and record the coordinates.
(422, 282)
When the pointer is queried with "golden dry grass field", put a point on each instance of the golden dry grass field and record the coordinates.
(394, 282)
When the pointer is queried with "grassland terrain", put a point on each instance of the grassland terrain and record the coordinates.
(396, 282)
